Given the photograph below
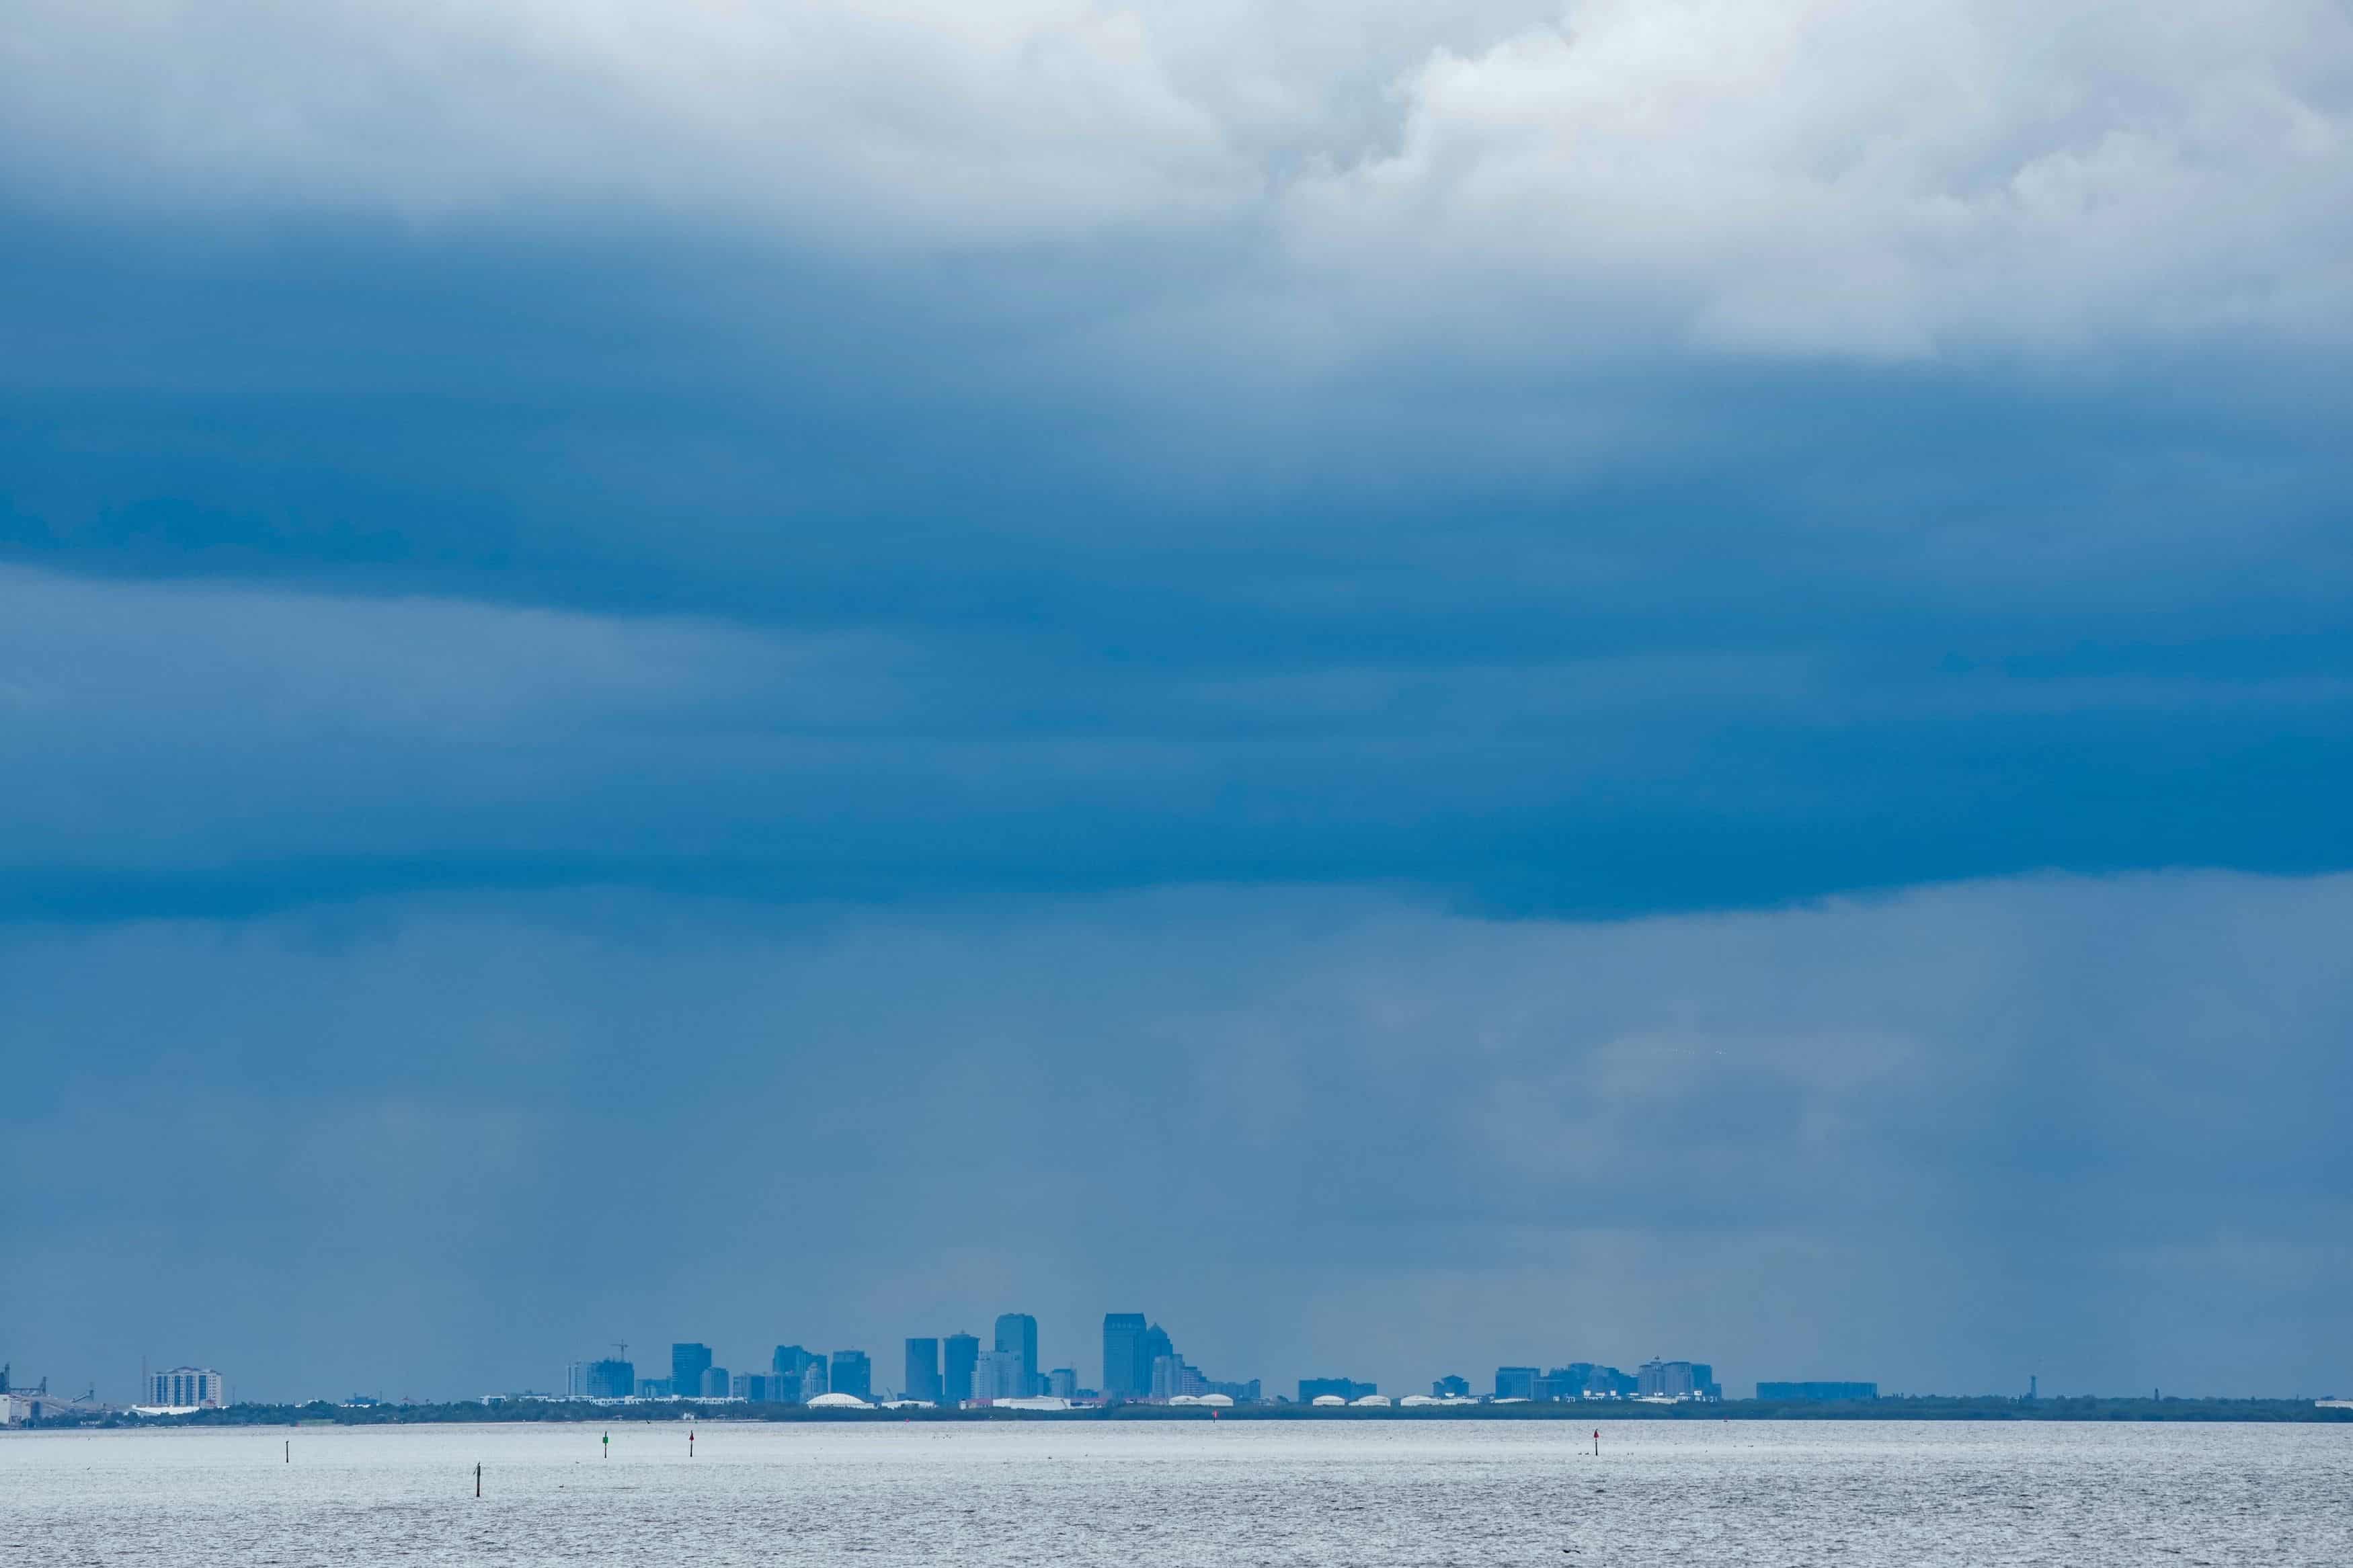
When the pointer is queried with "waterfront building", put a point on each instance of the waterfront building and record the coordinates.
(1126, 1373)
(1676, 1380)
(688, 1362)
(756, 1387)
(788, 1370)
(1312, 1389)
(996, 1375)
(1016, 1335)
(611, 1379)
(1062, 1383)
(653, 1388)
(813, 1379)
(1239, 1392)
(1450, 1388)
(1515, 1382)
(715, 1383)
(1173, 1378)
(923, 1371)
(851, 1374)
(187, 1387)
(960, 1354)
(1817, 1392)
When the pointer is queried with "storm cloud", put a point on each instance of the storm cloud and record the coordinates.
(1416, 685)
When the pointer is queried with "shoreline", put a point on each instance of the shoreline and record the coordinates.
(1899, 1409)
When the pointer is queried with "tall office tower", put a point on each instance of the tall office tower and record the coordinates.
(852, 1373)
(786, 1368)
(715, 1383)
(956, 1374)
(576, 1380)
(687, 1364)
(813, 1379)
(1062, 1383)
(923, 1371)
(1127, 1372)
(1016, 1335)
(611, 1379)
(1515, 1382)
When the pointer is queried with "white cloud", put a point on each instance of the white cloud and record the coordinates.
(1784, 175)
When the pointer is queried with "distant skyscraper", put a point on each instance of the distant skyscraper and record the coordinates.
(1155, 1346)
(1016, 1335)
(923, 1371)
(960, 1352)
(813, 1379)
(1515, 1382)
(688, 1362)
(1172, 1376)
(611, 1379)
(1127, 1373)
(1677, 1380)
(853, 1375)
(1452, 1388)
(716, 1383)
(1062, 1383)
(996, 1375)
(787, 1369)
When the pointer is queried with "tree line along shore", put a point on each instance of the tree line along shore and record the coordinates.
(1925, 1407)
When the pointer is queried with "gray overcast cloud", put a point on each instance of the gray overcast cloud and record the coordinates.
(1416, 684)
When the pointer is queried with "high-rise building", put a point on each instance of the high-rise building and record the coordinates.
(184, 1387)
(1515, 1382)
(688, 1362)
(1062, 1383)
(1126, 1373)
(959, 1355)
(1016, 1335)
(1676, 1380)
(1452, 1388)
(611, 1379)
(813, 1379)
(786, 1370)
(1172, 1376)
(923, 1371)
(1155, 1346)
(716, 1383)
(996, 1375)
(852, 1373)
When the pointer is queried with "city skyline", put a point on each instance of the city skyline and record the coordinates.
(1622, 678)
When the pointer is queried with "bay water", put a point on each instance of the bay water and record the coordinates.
(1225, 1492)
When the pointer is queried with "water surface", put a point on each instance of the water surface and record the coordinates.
(1165, 1492)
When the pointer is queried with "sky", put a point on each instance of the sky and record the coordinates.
(1418, 685)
